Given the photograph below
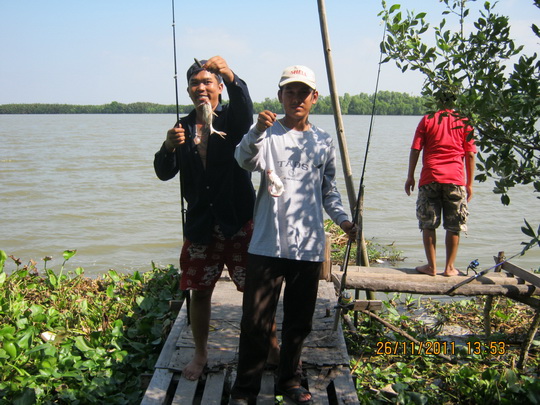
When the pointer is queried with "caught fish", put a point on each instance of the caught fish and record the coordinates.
(275, 187)
(208, 117)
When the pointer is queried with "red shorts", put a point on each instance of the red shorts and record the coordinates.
(202, 265)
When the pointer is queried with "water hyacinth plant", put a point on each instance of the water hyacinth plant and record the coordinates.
(66, 338)
(389, 369)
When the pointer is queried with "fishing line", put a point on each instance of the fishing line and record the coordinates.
(345, 299)
(361, 186)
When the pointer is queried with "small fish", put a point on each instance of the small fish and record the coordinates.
(275, 187)
(208, 117)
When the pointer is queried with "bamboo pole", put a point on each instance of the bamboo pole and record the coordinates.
(347, 173)
(340, 131)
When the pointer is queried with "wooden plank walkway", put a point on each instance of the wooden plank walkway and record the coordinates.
(325, 360)
(523, 284)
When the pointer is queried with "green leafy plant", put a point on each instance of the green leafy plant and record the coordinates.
(69, 339)
(398, 377)
(501, 103)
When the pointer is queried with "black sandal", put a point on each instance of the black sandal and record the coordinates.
(295, 393)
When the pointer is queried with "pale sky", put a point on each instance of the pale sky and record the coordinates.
(99, 51)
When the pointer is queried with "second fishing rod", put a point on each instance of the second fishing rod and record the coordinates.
(344, 299)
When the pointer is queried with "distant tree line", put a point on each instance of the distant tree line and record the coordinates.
(388, 103)
(111, 108)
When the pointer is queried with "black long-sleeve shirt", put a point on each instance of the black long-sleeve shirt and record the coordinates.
(222, 193)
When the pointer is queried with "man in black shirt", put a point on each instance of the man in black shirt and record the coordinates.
(219, 194)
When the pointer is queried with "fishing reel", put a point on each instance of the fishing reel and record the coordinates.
(472, 266)
(345, 299)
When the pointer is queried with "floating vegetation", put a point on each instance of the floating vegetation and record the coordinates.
(377, 253)
(66, 338)
(391, 369)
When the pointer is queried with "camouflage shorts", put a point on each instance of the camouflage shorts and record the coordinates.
(449, 199)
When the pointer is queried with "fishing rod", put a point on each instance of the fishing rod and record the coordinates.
(182, 208)
(175, 66)
(479, 274)
(344, 299)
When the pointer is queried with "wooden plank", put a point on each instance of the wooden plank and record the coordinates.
(441, 288)
(323, 348)
(324, 309)
(321, 357)
(393, 272)
(185, 392)
(223, 334)
(370, 305)
(213, 389)
(156, 393)
(530, 301)
(169, 347)
(521, 273)
(342, 345)
(344, 387)
(180, 358)
(318, 380)
(405, 275)
(267, 395)
(223, 340)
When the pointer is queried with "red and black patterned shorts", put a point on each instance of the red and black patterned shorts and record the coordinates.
(202, 264)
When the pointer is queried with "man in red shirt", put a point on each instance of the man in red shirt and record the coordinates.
(445, 184)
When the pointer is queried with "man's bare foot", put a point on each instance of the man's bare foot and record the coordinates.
(451, 272)
(194, 368)
(426, 269)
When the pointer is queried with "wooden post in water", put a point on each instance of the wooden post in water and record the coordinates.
(489, 300)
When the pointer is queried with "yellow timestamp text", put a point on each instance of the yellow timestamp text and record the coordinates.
(495, 348)
(411, 348)
(436, 348)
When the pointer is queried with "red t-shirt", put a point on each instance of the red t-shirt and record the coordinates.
(444, 141)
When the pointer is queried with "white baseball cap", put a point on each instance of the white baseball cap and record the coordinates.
(298, 73)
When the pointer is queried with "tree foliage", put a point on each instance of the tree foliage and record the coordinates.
(501, 101)
(503, 106)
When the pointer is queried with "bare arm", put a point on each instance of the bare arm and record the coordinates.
(413, 161)
(469, 167)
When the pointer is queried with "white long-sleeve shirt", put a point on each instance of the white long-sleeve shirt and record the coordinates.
(291, 225)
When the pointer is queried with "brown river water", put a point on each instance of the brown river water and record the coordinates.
(86, 182)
